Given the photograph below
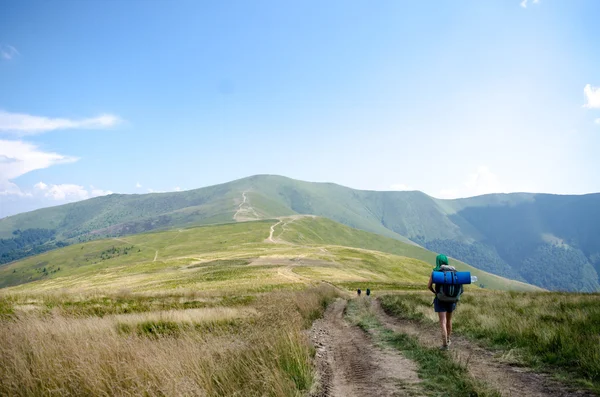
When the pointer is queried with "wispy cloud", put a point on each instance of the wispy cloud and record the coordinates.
(597, 121)
(68, 191)
(8, 52)
(592, 96)
(25, 124)
(18, 158)
(95, 192)
(138, 185)
(524, 3)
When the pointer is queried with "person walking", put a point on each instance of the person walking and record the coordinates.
(444, 307)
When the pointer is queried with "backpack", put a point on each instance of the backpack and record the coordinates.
(449, 292)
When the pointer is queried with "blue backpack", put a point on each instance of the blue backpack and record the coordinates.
(449, 292)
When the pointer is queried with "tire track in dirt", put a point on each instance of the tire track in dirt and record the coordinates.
(481, 363)
(350, 365)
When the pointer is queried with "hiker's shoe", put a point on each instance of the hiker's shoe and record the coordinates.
(449, 342)
(444, 347)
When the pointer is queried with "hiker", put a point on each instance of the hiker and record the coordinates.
(446, 297)
(358, 292)
(368, 292)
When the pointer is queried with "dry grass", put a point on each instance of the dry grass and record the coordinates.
(266, 353)
(552, 330)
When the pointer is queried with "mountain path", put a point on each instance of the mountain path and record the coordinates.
(350, 365)
(179, 231)
(141, 245)
(481, 363)
(273, 231)
(284, 221)
(246, 213)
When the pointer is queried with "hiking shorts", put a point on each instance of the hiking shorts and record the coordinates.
(443, 307)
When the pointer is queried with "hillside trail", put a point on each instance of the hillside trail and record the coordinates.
(481, 363)
(179, 231)
(284, 221)
(141, 245)
(245, 212)
(350, 365)
(273, 231)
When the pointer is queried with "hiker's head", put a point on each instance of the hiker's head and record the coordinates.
(440, 260)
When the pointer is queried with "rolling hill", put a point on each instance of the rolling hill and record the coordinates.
(547, 240)
(238, 256)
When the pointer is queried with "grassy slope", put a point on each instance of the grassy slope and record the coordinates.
(548, 330)
(185, 259)
(505, 234)
(324, 231)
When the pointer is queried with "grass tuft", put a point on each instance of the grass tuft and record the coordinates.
(441, 376)
(552, 331)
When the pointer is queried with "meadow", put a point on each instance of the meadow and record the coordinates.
(215, 311)
(212, 310)
(159, 344)
(555, 332)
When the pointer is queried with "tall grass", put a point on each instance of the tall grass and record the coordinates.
(554, 330)
(267, 354)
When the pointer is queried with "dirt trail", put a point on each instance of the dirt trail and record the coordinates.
(245, 212)
(273, 231)
(349, 365)
(508, 380)
(284, 221)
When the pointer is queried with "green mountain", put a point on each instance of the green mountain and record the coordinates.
(547, 240)
(298, 248)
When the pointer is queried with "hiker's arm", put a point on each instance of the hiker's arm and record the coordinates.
(430, 285)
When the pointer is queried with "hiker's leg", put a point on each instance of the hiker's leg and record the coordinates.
(443, 323)
(448, 325)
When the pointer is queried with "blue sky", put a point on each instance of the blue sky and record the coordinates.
(454, 98)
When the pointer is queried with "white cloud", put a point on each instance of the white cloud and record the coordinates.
(8, 52)
(400, 187)
(592, 96)
(95, 192)
(65, 192)
(482, 181)
(9, 188)
(68, 192)
(25, 124)
(138, 185)
(177, 189)
(40, 186)
(524, 3)
(18, 158)
(597, 121)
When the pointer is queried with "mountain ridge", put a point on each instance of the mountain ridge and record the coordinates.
(517, 235)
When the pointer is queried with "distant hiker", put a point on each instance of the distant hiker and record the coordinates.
(445, 300)
(368, 292)
(358, 292)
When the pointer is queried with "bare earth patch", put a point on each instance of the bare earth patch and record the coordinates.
(482, 363)
(349, 364)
